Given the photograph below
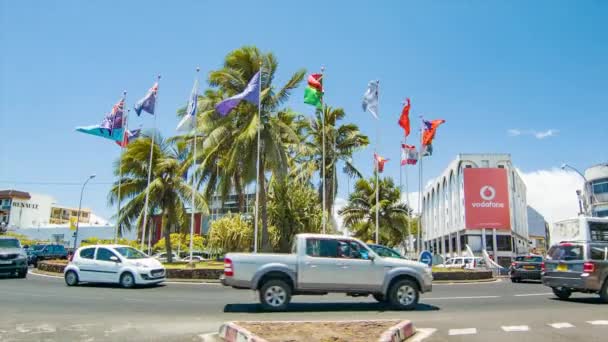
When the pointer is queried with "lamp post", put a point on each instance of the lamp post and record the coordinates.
(585, 204)
(80, 208)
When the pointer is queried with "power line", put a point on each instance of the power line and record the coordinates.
(53, 183)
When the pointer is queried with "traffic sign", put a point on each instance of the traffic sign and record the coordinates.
(426, 257)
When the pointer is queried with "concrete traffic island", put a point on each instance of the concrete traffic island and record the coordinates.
(317, 331)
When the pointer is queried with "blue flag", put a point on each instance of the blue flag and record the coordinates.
(148, 102)
(112, 126)
(189, 120)
(251, 94)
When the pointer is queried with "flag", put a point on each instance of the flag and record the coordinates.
(430, 127)
(370, 98)
(409, 155)
(112, 125)
(379, 162)
(313, 94)
(404, 119)
(128, 136)
(426, 150)
(148, 102)
(251, 94)
(189, 120)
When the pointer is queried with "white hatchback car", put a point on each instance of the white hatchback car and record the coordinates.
(118, 264)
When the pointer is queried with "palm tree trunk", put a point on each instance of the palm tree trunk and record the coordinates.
(167, 233)
(262, 188)
(239, 192)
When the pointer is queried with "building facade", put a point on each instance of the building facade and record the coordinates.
(63, 215)
(20, 209)
(596, 190)
(479, 201)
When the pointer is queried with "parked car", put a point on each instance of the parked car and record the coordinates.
(577, 267)
(326, 263)
(384, 251)
(195, 258)
(464, 262)
(117, 264)
(46, 252)
(13, 259)
(526, 268)
(162, 257)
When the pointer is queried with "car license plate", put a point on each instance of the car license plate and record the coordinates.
(4, 262)
(561, 268)
(529, 267)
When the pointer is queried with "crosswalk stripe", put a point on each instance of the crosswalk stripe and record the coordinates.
(514, 328)
(468, 331)
(598, 322)
(562, 325)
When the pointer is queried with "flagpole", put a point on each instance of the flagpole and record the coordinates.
(193, 168)
(122, 149)
(143, 235)
(257, 167)
(419, 237)
(323, 162)
(377, 167)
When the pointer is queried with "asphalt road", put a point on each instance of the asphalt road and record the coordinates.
(44, 309)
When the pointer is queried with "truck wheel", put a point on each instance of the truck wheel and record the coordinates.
(604, 292)
(275, 295)
(404, 295)
(379, 298)
(562, 292)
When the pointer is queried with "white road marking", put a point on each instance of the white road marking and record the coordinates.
(421, 334)
(598, 322)
(22, 329)
(515, 328)
(563, 325)
(467, 331)
(473, 297)
(534, 294)
(211, 337)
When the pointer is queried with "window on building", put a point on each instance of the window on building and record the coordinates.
(501, 166)
(489, 242)
(503, 243)
(485, 163)
(601, 213)
(600, 186)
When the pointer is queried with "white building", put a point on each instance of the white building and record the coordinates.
(596, 190)
(479, 201)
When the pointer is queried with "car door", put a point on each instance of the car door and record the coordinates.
(316, 269)
(85, 261)
(355, 270)
(105, 268)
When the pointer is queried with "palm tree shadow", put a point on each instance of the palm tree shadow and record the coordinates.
(323, 307)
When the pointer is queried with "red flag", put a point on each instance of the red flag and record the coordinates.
(314, 81)
(409, 155)
(379, 161)
(404, 119)
(429, 131)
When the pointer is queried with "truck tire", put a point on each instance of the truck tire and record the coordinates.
(562, 292)
(404, 295)
(604, 292)
(275, 295)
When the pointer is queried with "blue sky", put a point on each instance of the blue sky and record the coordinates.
(486, 67)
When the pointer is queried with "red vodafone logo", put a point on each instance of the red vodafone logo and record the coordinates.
(487, 193)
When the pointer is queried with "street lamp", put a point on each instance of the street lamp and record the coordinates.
(587, 189)
(79, 208)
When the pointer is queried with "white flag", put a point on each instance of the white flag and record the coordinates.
(189, 120)
(370, 98)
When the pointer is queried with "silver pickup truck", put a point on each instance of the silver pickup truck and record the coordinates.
(320, 264)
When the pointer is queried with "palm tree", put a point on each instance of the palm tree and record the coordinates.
(360, 213)
(340, 144)
(231, 142)
(169, 191)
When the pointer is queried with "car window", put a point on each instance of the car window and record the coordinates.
(132, 253)
(599, 252)
(566, 252)
(449, 262)
(357, 251)
(87, 253)
(458, 261)
(385, 252)
(530, 259)
(322, 248)
(104, 254)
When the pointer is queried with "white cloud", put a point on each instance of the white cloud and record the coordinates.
(514, 132)
(553, 193)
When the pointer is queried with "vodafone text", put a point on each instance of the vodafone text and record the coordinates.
(487, 205)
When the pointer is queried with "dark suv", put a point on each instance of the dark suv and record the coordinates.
(13, 259)
(526, 267)
(46, 252)
(577, 266)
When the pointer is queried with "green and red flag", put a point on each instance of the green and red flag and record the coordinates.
(313, 94)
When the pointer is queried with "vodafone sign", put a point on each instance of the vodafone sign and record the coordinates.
(486, 198)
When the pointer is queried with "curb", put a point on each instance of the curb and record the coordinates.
(443, 282)
(398, 333)
(232, 332)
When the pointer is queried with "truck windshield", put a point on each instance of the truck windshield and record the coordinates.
(9, 243)
(566, 252)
